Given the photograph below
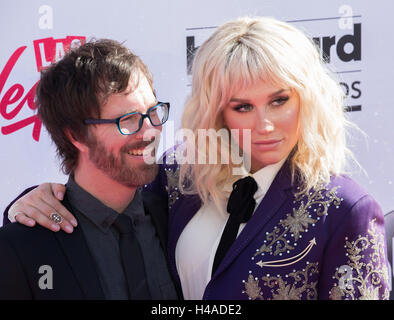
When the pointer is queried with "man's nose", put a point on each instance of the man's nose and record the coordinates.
(147, 130)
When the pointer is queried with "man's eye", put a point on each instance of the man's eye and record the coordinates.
(243, 108)
(280, 101)
(130, 118)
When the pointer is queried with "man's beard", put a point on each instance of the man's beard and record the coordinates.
(118, 167)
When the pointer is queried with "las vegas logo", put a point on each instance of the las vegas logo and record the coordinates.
(12, 101)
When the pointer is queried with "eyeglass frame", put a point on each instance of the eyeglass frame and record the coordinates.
(140, 124)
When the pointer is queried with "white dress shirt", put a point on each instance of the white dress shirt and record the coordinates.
(198, 242)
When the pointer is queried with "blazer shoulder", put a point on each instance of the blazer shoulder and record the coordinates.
(349, 191)
(339, 201)
(22, 237)
(341, 193)
(356, 206)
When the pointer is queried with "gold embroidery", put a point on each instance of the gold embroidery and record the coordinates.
(172, 178)
(252, 288)
(364, 279)
(299, 221)
(295, 290)
(294, 287)
(172, 185)
(298, 284)
(288, 261)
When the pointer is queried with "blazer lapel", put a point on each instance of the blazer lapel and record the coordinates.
(271, 203)
(180, 214)
(75, 248)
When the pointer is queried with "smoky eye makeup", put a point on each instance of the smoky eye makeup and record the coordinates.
(242, 107)
(277, 98)
(281, 100)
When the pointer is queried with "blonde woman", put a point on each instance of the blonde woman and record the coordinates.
(308, 231)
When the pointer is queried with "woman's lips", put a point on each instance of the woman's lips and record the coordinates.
(267, 145)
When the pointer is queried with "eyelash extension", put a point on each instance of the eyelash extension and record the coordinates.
(281, 100)
(242, 106)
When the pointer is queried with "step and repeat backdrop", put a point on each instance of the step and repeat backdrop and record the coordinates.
(355, 35)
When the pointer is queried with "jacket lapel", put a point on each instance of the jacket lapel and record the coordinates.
(273, 200)
(180, 214)
(77, 252)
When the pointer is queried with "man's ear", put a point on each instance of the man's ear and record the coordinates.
(77, 144)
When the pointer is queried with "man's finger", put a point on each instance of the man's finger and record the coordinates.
(23, 219)
(58, 190)
(42, 213)
(38, 216)
(56, 206)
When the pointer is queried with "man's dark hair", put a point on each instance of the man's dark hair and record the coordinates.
(73, 89)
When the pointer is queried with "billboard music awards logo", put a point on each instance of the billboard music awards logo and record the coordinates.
(46, 51)
(339, 43)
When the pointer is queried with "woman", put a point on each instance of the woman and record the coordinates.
(313, 233)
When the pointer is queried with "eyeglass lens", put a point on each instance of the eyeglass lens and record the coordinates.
(131, 123)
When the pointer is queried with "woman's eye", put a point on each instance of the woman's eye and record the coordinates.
(279, 101)
(243, 108)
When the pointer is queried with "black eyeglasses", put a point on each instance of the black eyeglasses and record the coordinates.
(131, 123)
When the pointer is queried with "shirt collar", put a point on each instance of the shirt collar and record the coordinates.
(263, 177)
(97, 212)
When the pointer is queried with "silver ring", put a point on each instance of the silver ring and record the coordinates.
(11, 215)
(57, 218)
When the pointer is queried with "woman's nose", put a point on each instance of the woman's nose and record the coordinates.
(264, 123)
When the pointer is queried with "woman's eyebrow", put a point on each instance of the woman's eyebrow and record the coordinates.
(239, 100)
(277, 92)
(234, 99)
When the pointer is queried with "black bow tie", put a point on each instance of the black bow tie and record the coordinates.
(240, 206)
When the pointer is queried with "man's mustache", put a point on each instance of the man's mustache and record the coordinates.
(138, 145)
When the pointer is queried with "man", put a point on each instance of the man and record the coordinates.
(99, 107)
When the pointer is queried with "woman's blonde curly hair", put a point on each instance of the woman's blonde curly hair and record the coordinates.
(243, 52)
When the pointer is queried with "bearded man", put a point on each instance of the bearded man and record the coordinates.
(99, 107)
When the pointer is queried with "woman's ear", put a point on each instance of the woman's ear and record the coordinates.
(82, 147)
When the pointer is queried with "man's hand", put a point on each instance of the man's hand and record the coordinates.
(39, 205)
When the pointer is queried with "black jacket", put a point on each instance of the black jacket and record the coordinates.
(23, 250)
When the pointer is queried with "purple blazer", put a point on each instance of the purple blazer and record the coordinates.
(328, 243)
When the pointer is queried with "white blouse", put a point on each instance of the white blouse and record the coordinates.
(198, 242)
